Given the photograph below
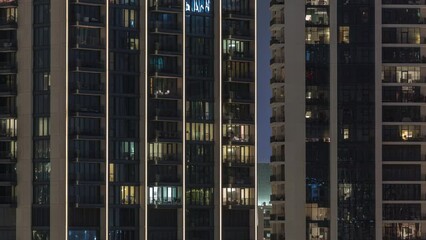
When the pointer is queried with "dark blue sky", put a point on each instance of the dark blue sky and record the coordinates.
(263, 77)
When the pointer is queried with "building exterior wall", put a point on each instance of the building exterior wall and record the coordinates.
(137, 119)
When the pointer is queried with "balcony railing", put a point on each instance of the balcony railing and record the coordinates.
(6, 21)
(275, 197)
(278, 138)
(7, 155)
(8, 2)
(277, 217)
(404, 2)
(165, 201)
(166, 5)
(7, 177)
(275, 119)
(276, 236)
(277, 21)
(277, 178)
(277, 159)
(276, 2)
(239, 202)
(174, 158)
(238, 160)
(7, 200)
(11, 88)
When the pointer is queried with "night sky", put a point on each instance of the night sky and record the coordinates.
(263, 77)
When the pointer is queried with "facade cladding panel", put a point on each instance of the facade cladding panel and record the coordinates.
(142, 120)
(340, 120)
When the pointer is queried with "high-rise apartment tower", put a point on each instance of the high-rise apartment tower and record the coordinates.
(128, 119)
(349, 119)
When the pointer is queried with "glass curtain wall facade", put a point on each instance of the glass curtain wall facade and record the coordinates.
(340, 118)
(356, 120)
(8, 117)
(317, 57)
(41, 120)
(238, 118)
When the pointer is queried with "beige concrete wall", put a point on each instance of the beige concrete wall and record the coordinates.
(58, 121)
(295, 171)
(24, 105)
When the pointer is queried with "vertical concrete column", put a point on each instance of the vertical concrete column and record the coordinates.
(24, 106)
(58, 121)
(334, 32)
(218, 155)
(295, 129)
(378, 116)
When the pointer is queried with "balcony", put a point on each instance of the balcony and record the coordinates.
(398, 138)
(276, 236)
(277, 217)
(236, 97)
(166, 6)
(165, 28)
(8, 178)
(89, 2)
(92, 156)
(276, 61)
(167, 94)
(165, 202)
(238, 118)
(87, 66)
(8, 201)
(170, 49)
(277, 198)
(277, 119)
(277, 178)
(238, 56)
(275, 3)
(237, 15)
(279, 80)
(277, 100)
(87, 43)
(88, 134)
(9, 22)
(278, 139)
(87, 111)
(235, 33)
(164, 179)
(87, 88)
(7, 89)
(165, 115)
(239, 203)
(8, 111)
(170, 159)
(238, 161)
(167, 136)
(403, 2)
(88, 21)
(8, 45)
(277, 22)
(277, 159)
(86, 201)
(246, 78)
(8, 3)
(8, 134)
(85, 179)
(8, 67)
(277, 42)
(237, 140)
(405, 99)
(232, 181)
(7, 157)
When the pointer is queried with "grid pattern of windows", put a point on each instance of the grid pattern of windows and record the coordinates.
(41, 118)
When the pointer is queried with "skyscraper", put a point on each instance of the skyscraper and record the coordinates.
(128, 119)
(327, 124)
